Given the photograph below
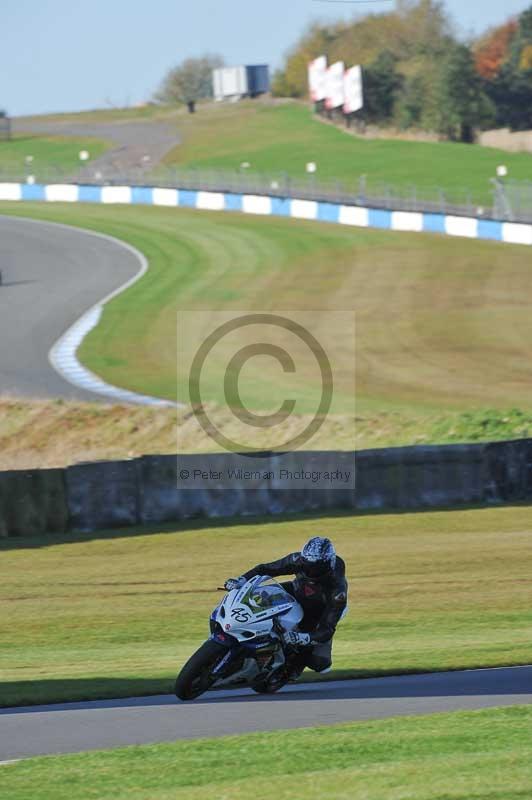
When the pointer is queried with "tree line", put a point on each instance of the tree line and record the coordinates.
(418, 74)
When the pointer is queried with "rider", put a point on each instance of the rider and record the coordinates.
(320, 588)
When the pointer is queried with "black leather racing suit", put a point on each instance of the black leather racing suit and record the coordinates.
(323, 601)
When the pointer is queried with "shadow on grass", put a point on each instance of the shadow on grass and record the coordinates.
(142, 692)
(208, 523)
(32, 693)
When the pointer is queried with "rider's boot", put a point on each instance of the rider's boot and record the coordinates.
(295, 666)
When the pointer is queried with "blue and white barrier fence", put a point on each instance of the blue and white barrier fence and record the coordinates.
(358, 216)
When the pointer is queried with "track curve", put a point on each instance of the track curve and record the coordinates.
(75, 727)
(51, 275)
(139, 144)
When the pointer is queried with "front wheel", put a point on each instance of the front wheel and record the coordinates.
(196, 676)
(272, 683)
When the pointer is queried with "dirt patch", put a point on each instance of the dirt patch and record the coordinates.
(375, 132)
(505, 139)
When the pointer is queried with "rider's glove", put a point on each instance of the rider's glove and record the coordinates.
(234, 583)
(296, 639)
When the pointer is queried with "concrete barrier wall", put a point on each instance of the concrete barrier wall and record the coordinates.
(100, 495)
(507, 474)
(103, 494)
(420, 477)
(33, 502)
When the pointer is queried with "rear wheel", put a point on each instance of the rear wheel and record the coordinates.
(197, 676)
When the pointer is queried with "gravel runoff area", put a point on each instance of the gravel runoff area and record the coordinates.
(74, 727)
(51, 275)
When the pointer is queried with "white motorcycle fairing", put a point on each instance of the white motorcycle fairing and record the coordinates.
(254, 616)
(248, 612)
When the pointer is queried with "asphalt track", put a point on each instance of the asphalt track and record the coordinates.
(139, 144)
(74, 727)
(52, 274)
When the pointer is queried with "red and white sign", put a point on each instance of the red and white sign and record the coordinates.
(317, 79)
(353, 90)
(335, 85)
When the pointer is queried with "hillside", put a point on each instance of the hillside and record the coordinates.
(422, 348)
(443, 327)
(418, 72)
(97, 431)
(278, 138)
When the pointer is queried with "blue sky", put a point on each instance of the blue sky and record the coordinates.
(60, 55)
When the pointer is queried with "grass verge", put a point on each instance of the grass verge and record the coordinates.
(97, 431)
(117, 614)
(431, 312)
(460, 756)
(284, 137)
(48, 152)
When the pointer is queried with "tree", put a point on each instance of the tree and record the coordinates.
(494, 49)
(525, 24)
(291, 81)
(511, 94)
(427, 26)
(463, 105)
(189, 82)
(413, 100)
(525, 59)
(511, 88)
(382, 84)
(418, 29)
(521, 41)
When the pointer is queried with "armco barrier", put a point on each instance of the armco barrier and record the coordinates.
(95, 496)
(342, 213)
(33, 502)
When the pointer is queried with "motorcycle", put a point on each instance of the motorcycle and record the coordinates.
(246, 644)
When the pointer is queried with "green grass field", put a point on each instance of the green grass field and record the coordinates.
(443, 325)
(146, 111)
(482, 754)
(49, 152)
(117, 614)
(284, 137)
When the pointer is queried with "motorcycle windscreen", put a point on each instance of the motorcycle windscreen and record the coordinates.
(266, 597)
